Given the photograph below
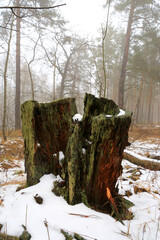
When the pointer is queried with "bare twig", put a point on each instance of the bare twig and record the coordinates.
(12, 8)
(84, 216)
(33, 8)
(46, 225)
(26, 217)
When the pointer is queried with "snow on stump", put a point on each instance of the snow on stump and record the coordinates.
(92, 147)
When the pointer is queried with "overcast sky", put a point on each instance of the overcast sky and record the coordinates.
(85, 16)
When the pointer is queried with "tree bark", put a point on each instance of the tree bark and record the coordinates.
(125, 57)
(17, 97)
(149, 115)
(109, 137)
(31, 79)
(137, 118)
(104, 34)
(64, 75)
(5, 84)
(46, 129)
(92, 148)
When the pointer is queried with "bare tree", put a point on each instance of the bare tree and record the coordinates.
(30, 70)
(5, 82)
(18, 77)
(16, 10)
(104, 34)
(125, 57)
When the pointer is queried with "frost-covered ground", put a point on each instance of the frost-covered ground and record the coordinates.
(141, 186)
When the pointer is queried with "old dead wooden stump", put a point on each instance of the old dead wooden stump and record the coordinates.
(46, 128)
(92, 148)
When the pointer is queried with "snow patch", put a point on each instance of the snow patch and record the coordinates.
(77, 117)
(57, 212)
(60, 215)
(121, 113)
(139, 156)
(61, 157)
(83, 150)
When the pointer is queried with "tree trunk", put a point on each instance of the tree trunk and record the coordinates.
(31, 79)
(104, 34)
(92, 148)
(64, 74)
(150, 101)
(5, 83)
(125, 57)
(17, 97)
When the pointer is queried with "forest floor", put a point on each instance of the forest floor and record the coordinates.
(45, 221)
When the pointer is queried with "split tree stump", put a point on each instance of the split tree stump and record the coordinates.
(46, 128)
(92, 148)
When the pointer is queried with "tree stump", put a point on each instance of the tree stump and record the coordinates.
(92, 148)
(46, 128)
(109, 136)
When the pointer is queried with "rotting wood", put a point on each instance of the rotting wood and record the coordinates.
(46, 128)
(92, 148)
(151, 165)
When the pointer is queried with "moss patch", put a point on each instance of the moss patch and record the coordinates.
(46, 128)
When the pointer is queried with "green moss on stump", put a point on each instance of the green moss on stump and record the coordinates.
(74, 165)
(109, 137)
(93, 107)
(46, 128)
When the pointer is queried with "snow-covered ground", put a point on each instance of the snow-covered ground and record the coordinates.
(150, 149)
(142, 187)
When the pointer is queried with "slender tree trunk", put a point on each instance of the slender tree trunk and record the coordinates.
(108, 75)
(73, 84)
(5, 84)
(150, 101)
(103, 48)
(125, 57)
(158, 112)
(100, 89)
(129, 97)
(115, 81)
(31, 78)
(139, 101)
(54, 74)
(64, 76)
(104, 69)
(30, 70)
(134, 99)
(17, 97)
(54, 83)
(143, 107)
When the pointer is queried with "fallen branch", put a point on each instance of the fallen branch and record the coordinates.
(143, 162)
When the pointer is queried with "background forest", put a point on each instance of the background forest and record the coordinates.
(42, 59)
